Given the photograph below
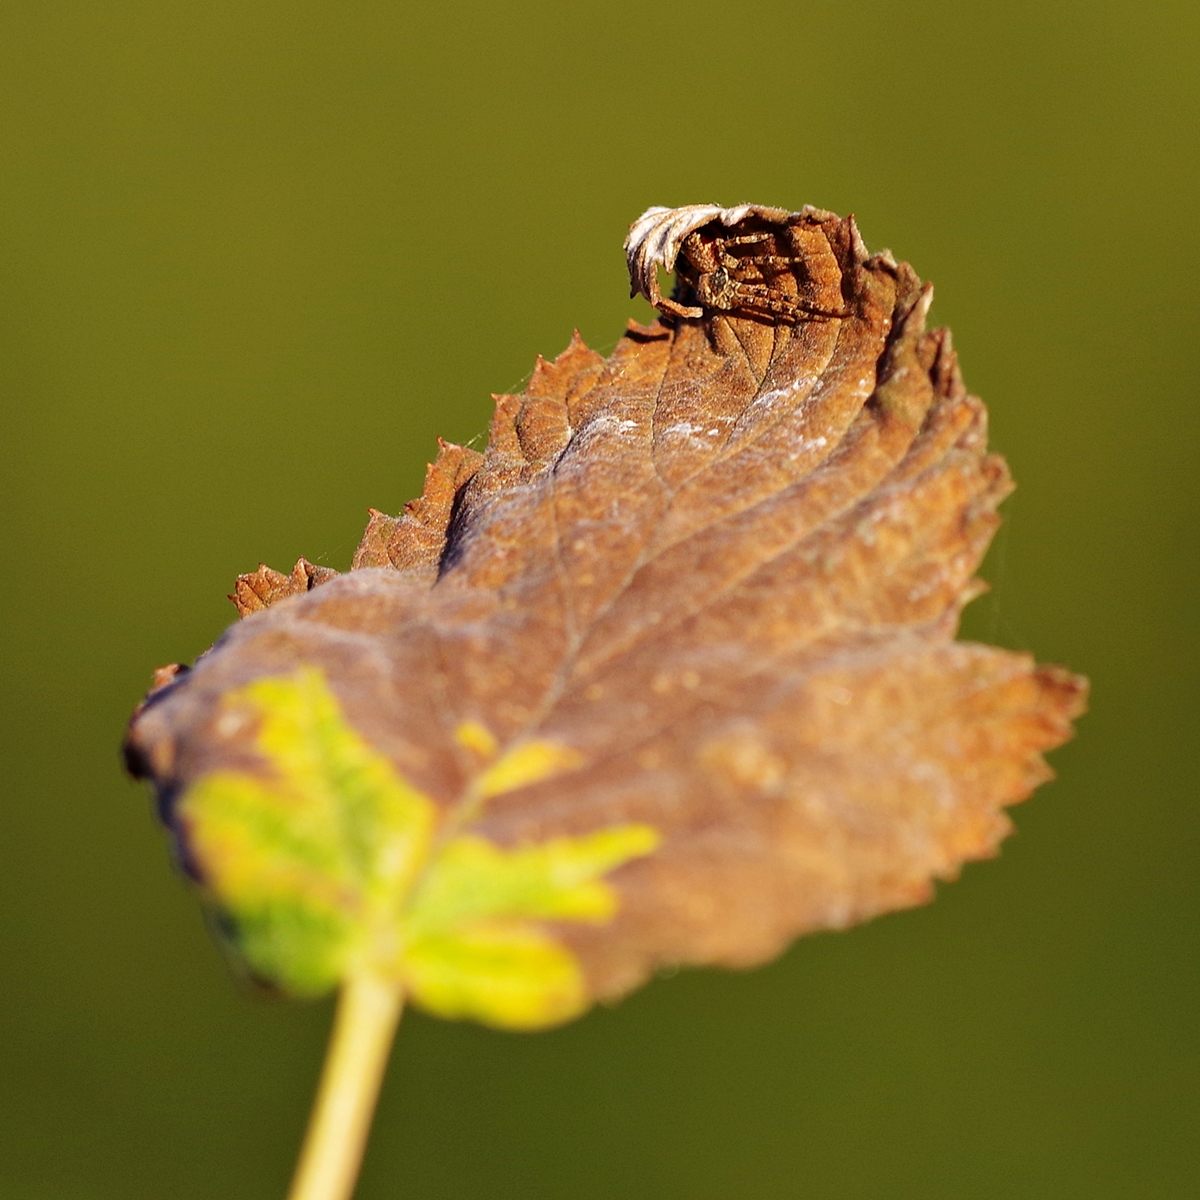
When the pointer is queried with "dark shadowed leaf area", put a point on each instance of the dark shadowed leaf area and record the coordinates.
(668, 675)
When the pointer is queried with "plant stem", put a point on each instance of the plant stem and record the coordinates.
(368, 1010)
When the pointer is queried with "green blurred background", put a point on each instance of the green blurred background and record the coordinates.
(255, 257)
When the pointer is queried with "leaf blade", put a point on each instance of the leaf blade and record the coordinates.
(718, 574)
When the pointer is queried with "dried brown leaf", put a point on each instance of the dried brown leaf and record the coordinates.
(725, 568)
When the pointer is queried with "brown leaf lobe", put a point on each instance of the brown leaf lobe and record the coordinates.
(264, 587)
(414, 541)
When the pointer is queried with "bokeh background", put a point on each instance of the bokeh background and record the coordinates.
(256, 256)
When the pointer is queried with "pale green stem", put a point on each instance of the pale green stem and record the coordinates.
(368, 1010)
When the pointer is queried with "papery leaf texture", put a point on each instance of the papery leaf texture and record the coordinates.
(665, 676)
